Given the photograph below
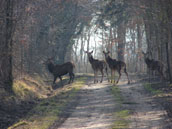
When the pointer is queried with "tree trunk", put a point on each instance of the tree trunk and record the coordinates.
(121, 41)
(6, 48)
(168, 63)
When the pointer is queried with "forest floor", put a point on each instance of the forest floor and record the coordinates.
(139, 105)
(135, 106)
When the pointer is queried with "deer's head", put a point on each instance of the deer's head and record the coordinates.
(89, 53)
(50, 65)
(48, 61)
(106, 54)
(147, 54)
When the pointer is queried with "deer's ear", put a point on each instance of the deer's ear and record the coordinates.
(143, 53)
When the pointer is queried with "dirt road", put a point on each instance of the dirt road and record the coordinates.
(146, 112)
(96, 106)
(94, 110)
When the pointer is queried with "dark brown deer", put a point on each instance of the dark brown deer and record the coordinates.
(154, 65)
(115, 65)
(97, 65)
(60, 70)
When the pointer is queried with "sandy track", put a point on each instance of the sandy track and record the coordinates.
(95, 109)
(97, 105)
(147, 113)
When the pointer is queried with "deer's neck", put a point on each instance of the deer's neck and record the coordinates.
(51, 67)
(109, 60)
(148, 62)
(91, 59)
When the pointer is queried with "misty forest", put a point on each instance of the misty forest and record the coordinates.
(85, 64)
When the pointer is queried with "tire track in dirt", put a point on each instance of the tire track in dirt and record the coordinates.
(147, 113)
(94, 110)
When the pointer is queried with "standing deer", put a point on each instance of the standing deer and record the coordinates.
(97, 65)
(60, 70)
(154, 65)
(115, 65)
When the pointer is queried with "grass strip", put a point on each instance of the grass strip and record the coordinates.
(120, 114)
(149, 87)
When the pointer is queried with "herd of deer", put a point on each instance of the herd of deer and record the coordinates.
(101, 65)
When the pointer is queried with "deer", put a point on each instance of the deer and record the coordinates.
(97, 65)
(60, 70)
(154, 65)
(115, 65)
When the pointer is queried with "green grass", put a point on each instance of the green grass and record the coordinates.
(30, 88)
(121, 122)
(117, 94)
(47, 111)
(121, 115)
(18, 124)
(170, 85)
(150, 88)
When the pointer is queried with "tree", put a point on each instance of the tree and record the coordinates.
(6, 42)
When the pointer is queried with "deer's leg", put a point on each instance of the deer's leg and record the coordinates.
(94, 76)
(125, 71)
(55, 77)
(149, 75)
(161, 74)
(73, 76)
(119, 72)
(70, 75)
(102, 75)
(61, 80)
(112, 75)
(107, 74)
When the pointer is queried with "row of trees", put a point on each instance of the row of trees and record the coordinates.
(32, 31)
(129, 27)
(6, 33)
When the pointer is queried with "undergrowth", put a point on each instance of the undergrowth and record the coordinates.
(48, 109)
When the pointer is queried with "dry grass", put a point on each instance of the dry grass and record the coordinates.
(48, 109)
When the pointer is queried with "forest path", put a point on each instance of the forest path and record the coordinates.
(94, 110)
(96, 107)
(147, 113)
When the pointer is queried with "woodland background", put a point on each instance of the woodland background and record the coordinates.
(33, 31)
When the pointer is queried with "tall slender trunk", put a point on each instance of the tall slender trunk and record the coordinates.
(139, 40)
(88, 48)
(6, 67)
(121, 41)
(168, 62)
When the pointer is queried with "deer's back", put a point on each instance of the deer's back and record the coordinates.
(98, 64)
(117, 64)
(63, 69)
(156, 65)
(121, 64)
